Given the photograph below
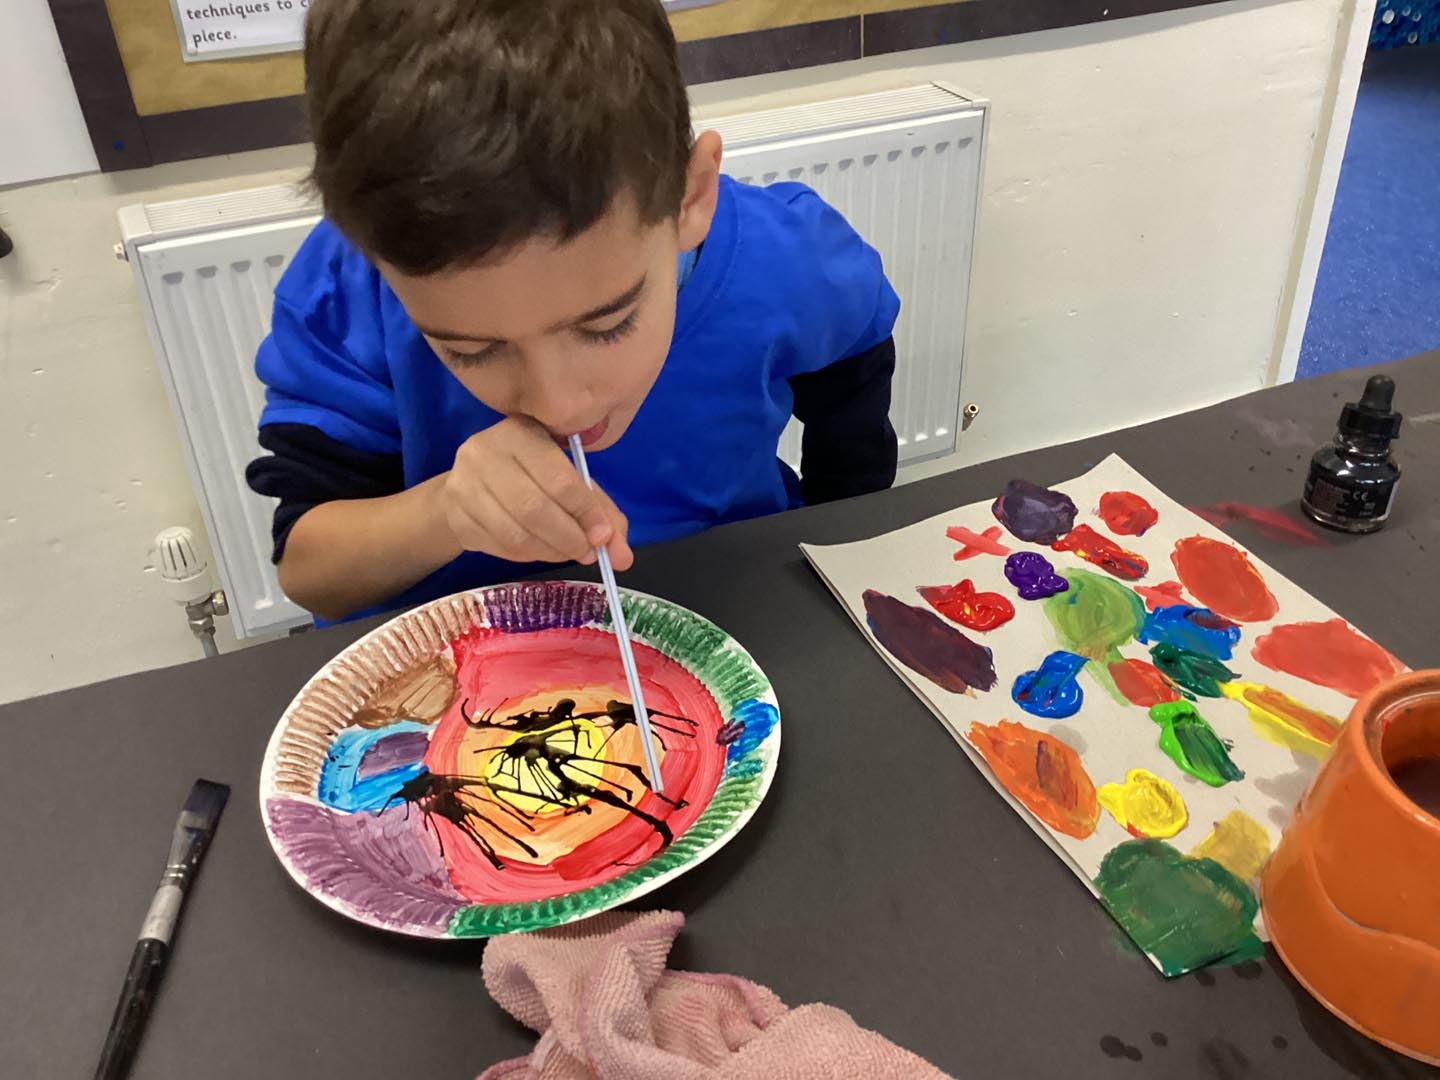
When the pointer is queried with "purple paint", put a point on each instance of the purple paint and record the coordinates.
(544, 605)
(1034, 513)
(928, 645)
(1033, 576)
(379, 863)
(391, 752)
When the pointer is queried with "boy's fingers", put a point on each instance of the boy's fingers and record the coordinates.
(537, 511)
(620, 554)
(506, 536)
(558, 478)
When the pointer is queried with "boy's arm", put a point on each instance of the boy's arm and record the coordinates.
(342, 509)
(849, 445)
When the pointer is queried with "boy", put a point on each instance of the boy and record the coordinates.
(523, 240)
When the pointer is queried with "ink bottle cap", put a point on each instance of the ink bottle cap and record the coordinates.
(1372, 417)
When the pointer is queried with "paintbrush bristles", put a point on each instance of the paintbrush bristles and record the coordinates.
(207, 801)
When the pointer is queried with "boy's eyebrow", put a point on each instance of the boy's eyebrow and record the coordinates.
(610, 307)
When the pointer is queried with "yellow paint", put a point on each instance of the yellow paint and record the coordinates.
(1239, 843)
(1280, 719)
(1146, 805)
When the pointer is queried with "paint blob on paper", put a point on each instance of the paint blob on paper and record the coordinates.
(1042, 772)
(1033, 576)
(1237, 842)
(1280, 719)
(1095, 616)
(1188, 740)
(1166, 594)
(1103, 552)
(1141, 683)
(1222, 578)
(973, 610)
(1034, 513)
(1193, 672)
(1145, 805)
(973, 544)
(1184, 912)
(1052, 692)
(1127, 514)
(1198, 630)
(927, 645)
(1328, 654)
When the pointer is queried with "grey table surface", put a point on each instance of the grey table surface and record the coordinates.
(919, 902)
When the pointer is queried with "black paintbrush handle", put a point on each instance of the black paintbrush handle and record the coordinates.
(147, 965)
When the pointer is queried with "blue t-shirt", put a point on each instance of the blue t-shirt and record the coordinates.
(783, 287)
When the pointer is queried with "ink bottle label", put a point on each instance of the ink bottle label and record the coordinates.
(1368, 503)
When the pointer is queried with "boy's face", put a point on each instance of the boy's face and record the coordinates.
(572, 335)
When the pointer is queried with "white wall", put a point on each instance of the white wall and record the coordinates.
(42, 133)
(1140, 228)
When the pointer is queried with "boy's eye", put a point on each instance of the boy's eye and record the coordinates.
(471, 359)
(612, 334)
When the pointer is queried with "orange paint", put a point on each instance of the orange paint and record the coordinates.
(1166, 594)
(962, 604)
(1326, 654)
(1142, 683)
(1103, 552)
(1222, 578)
(973, 543)
(1045, 774)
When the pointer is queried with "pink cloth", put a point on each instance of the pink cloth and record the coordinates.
(599, 995)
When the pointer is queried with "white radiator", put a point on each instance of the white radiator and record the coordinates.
(902, 165)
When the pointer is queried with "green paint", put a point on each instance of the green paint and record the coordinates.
(739, 793)
(1093, 618)
(1191, 743)
(1194, 673)
(698, 644)
(1184, 912)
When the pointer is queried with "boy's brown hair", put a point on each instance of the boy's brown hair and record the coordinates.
(447, 131)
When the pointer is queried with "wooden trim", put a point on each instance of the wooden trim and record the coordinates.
(98, 73)
(124, 139)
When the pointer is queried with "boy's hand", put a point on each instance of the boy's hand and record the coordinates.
(514, 493)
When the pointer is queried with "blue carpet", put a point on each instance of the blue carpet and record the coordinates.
(1377, 297)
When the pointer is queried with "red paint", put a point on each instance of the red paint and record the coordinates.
(1045, 774)
(1126, 513)
(1142, 683)
(1326, 654)
(1166, 594)
(986, 543)
(1103, 552)
(515, 671)
(1266, 520)
(1222, 578)
(962, 604)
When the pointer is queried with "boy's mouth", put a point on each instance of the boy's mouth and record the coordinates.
(589, 437)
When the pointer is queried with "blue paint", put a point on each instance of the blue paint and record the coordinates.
(758, 719)
(1196, 629)
(340, 784)
(1052, 692)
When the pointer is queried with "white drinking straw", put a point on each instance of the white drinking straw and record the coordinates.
(622, 635)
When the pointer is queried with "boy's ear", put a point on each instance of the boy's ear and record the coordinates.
(702, 188)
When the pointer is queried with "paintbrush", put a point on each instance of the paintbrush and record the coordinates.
(622, 635)
(147, 964)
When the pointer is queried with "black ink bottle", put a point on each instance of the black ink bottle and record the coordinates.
(1352, 481)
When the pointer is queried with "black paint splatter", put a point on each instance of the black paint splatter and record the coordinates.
(551, 760)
